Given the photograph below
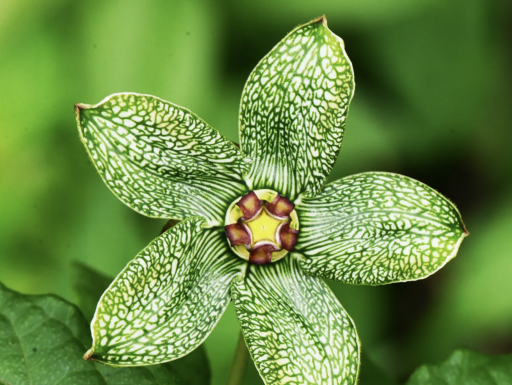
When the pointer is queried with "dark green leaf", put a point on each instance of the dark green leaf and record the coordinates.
(43, 338)
(42, 341)
(466, 367)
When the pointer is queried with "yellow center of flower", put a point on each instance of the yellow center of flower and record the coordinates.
(263, 228)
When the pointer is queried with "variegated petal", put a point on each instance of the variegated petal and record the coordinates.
(375, 228)
(293, 111)
(296, 330)
(167, 300)
(161, 159)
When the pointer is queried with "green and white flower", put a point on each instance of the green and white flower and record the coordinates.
(257, 225)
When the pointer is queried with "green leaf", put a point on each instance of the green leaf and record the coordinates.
(466, 367)
(160, 159)
(42, 339)
(375, 228)
(293, 111)
(167, 300)
(88, 286)
(296, 330)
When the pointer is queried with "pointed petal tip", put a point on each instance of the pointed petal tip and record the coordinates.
(79, 108)
(464, 229)
(322, 19)
(88, 355)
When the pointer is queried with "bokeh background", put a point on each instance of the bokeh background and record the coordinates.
(433, 101)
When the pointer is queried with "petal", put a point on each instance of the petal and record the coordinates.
(293, 111)
(262, 255)
(374, 228)
(280, 206)
(296, 330)
(288, 237)
(167, 300)
(238, 235)
(250, 205)
(161, 159)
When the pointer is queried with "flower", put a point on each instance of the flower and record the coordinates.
(165, 162)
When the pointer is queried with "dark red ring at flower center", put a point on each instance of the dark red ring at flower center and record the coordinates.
(273, 214)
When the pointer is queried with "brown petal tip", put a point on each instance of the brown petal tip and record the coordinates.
(466, 232)
(288, 237)
(238, 235)
(261, 255)
(250, 205)
(280, 206)
(88, 355)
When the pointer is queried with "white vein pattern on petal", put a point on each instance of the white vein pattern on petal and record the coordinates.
(293, 111)
(374, 228)
(168, 299)
(160, 159)
(295, 328)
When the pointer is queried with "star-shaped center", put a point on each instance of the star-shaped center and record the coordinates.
(262, 226)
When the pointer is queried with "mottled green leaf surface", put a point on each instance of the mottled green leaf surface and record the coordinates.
(296, 330)
(293, 111)
(161, 159)
(42, 340)
(466, 367)
(167, 300)
(375, 228)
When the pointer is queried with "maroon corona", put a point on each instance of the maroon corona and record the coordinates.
(262, 226)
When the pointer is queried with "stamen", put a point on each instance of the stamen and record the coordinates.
(238, 235)
(250, 205)
(262, 226)
(262, 255)
(280, 206)
(288, 237)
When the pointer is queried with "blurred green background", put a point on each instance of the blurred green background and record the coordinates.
(433, 101)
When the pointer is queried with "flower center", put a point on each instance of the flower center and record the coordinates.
(262, 226)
